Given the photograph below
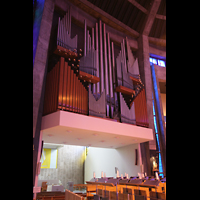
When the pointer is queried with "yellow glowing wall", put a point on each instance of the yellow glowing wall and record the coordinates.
(49, 158)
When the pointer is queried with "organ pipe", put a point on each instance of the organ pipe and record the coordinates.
(97, 58)
(85, 36)
(110, 68)
(105, 60)
(101, 56)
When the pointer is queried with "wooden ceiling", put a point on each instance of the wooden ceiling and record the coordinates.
(133, 13)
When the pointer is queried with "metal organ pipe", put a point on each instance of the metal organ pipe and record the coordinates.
(97, 57)
(113, 64)
(92, 38)
(106, 68)
(105, 60)
(85, 36)
(94, 59)
(69, 21)
(88, 45)
(58, 34)
(101, 56)
(110, 67)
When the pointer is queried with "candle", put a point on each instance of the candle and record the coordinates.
(101, 174)
(117, 173)
(121, 176)
(94, 174)
(157, 177)
(142, 175)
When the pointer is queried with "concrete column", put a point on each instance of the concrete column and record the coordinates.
(145, 74)
(39, 74)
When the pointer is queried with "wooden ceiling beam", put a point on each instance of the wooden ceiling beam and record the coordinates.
(137, 5)
(144, 10)
(150, 17)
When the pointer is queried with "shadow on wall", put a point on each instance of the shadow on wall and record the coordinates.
(69, 166)
(105, 159)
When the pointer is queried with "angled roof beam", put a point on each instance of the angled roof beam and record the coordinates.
(144, 10)
(136, 4)
(163, 17)
(150, 17)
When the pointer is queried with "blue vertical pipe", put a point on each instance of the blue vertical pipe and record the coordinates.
(157, 101)
(36, 24)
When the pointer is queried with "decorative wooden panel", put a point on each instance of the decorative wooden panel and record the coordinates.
(64, 90)
(141, 109)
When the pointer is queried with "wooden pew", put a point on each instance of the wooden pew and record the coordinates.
(50, 196)
(72, 196)
(157, 195)
(130, 190)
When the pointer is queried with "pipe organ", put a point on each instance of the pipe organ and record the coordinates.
(94, 81)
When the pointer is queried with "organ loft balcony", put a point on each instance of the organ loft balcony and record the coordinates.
(68, 119)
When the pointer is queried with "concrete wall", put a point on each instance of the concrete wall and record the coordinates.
(105, 159)
(69, 166)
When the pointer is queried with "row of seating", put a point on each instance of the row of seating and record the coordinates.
(147, 188)
(130, 194)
